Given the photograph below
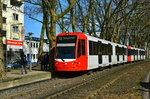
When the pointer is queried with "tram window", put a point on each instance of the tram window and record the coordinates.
(130, 52)
(109, 49)
(103, 49)
(135, 52)
(125, 51)
(90, 47)
(83, 47)
(100, 48)
(117, 50)
(142, 52)
(93, 48)
(121, 50)
(79, 48)
(106, 47)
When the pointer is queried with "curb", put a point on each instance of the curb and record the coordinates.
(24, 80)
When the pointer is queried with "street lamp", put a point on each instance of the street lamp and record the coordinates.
(30, 37)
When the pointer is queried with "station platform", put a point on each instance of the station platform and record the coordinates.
(15, 78)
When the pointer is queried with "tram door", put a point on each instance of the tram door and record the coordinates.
(110, 52)
(99, 52)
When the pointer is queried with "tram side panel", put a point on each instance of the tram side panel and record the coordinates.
(92, 53)
(121, 53)
(100, 53)
(114, 56)
(130, 57)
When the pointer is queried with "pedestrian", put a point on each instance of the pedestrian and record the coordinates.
(42, 61)
(46, 59)
(23, 62)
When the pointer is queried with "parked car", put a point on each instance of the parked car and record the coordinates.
(16, 64)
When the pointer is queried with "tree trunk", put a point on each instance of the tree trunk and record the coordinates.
(85, 21)
(50, 23)
(72, 16)
(41, 43)
(2, 71)
(52, 39)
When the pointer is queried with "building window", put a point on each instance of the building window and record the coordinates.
(37, 45)
(4, 20)
(34, 44)
(4, 33)
(15, 39)
(15, 16)
(4, 7)
(17, 3)
(34, 56)
(31, 44)
(15, 29)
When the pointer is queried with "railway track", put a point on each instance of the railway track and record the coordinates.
(99, 81)
(68, 88)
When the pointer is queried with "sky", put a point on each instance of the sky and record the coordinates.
(32, 26)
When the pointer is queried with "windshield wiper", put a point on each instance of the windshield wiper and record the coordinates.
(62, 59)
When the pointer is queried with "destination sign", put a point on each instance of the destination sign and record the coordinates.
(66, 39)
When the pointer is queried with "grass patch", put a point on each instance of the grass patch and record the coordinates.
(128, 86)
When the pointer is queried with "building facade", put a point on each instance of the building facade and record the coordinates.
(31, 47)
(13, 24)
(13, 34)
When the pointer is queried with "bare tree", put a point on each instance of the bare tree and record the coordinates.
(52, 17)
(2, 71)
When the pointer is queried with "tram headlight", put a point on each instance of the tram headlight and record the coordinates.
(73, 63)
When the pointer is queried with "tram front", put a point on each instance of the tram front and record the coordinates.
(67, 52)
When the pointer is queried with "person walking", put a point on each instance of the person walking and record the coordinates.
(46, 58)
(42, 61)
(23, 62)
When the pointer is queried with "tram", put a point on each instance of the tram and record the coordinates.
(81, 52)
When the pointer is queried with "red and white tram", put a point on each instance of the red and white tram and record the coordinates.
(81, 52)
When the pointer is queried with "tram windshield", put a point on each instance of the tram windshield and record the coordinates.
(66, 47)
